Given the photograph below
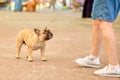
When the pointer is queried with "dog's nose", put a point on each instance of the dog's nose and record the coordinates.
(51, 34)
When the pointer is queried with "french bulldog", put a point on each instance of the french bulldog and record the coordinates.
(34, 39)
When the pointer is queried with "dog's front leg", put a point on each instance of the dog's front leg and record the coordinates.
(30, 55)
(43, 54)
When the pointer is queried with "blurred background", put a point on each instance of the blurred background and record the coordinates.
(43, 5)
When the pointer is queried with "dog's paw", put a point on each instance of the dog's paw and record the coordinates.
(30, 60)
(44, 59)
(17, 57)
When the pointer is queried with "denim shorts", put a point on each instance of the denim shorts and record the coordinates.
(107, 10)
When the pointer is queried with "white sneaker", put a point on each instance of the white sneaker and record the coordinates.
(106, 71)
(88, 62)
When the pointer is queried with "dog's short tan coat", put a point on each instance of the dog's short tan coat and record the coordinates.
(34, 39)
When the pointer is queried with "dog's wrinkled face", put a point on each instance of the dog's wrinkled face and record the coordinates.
(48, 34)
(45, 34)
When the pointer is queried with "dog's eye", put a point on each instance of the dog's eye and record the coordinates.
(45, 31)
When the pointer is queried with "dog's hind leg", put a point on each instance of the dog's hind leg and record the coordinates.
(19, 45)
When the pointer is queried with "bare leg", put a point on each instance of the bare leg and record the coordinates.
(110, 41)
(97, 38)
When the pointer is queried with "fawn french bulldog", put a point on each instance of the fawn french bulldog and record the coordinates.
(34, 39)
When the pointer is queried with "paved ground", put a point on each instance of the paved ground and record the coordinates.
(72, 38)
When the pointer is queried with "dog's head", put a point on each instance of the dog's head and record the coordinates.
(44, 34)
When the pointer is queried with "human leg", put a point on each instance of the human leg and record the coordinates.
(110, 41)
(18, 5)
(112, 69)
(96, 38)
(93, 59)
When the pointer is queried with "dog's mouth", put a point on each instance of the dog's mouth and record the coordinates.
(49, 36)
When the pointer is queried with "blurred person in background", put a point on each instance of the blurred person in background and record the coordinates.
(18, 5)
(30, 5)
(77, 4)
(87, 9)
(52, 4)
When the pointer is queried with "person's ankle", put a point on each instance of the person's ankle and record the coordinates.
(92, 56)
(113, 66)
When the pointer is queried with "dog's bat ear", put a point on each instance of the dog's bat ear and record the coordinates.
(37, 31)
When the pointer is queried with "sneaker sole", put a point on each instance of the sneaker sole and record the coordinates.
(86, 65)
(108, 75)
